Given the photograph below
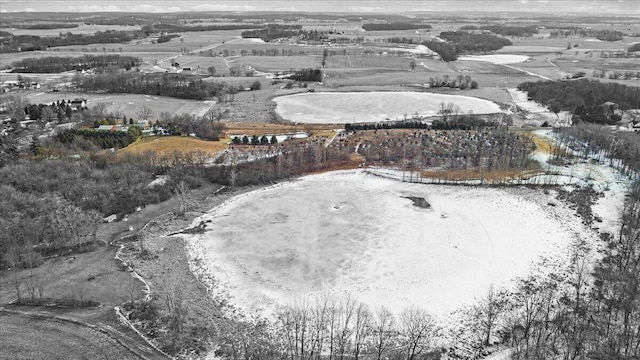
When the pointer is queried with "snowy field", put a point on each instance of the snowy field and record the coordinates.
(351, 107)
(496, 59)
(348, 231)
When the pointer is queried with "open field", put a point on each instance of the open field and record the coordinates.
(331, 107)
(163, 145)
(27, 337)
(301, 238)
(127, 104)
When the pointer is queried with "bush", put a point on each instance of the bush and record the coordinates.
(256, 85)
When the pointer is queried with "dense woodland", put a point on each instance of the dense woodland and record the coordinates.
(585, 98)
(16, 43)
(467, 42)
(87, 139)
(172, 85)
(55, 64)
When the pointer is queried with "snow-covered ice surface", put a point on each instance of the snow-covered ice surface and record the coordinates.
(496, 59)
(350, 107)
(350, 231)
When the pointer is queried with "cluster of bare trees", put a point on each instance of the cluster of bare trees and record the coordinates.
(492, 149)
(329, 327)
(621, 150)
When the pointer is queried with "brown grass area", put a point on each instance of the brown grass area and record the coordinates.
(542, 144)
(476, 174)
(166, 144)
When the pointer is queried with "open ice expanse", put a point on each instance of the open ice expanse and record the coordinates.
(348, 231)
(352, 107)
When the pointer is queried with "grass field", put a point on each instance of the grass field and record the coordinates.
(126, 104)
(163, 145)
(277, 63)
(25, 337)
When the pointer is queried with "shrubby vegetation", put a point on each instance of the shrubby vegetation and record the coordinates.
(584, 98)
(55, 64)
(394, 26)
(15, 43)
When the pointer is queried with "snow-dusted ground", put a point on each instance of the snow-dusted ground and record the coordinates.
(496, 58)
(350, 107)
(353, 232)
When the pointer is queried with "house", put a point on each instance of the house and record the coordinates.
(110, 218)
(78, 103)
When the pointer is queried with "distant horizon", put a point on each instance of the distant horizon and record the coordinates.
(551, 7)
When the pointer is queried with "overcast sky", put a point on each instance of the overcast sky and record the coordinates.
(624, 7)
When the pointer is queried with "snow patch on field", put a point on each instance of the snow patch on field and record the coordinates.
(351, 107)
(352, 232)
(496, 59)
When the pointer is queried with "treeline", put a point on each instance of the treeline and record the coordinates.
(446, 51)
(394, 26)
(633, 47)
(45, 26)
(523, 31)
(55, 64)
(336, 328)
(173, 85)
(87, 139)
(604, 35)
(458, 42)
(166, 38)
(465, 122)
(466, 42)
(488, 149)
(173, 28)
(273, 31)
(584, 98)
(306, 75)
(459, 82)
(15, 43)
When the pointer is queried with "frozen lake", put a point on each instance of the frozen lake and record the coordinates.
(352, 107)
(352, 232)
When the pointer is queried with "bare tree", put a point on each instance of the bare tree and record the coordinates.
(182, 194)
(417, 330)
(383, 331)
(362, 329)
(145, 112)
